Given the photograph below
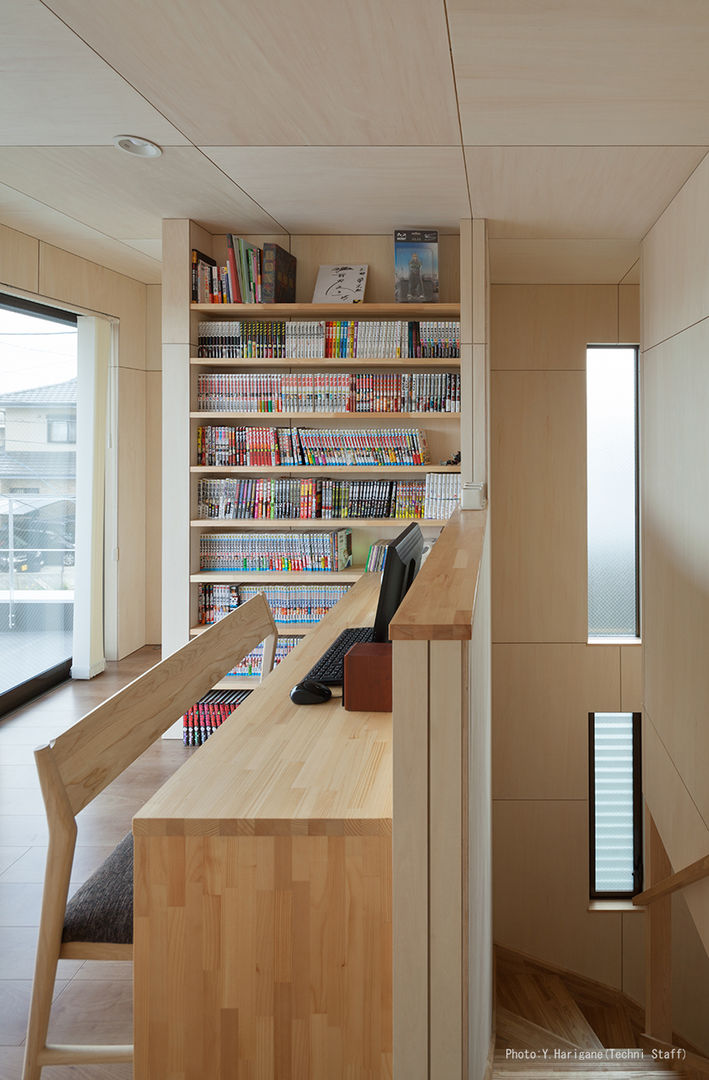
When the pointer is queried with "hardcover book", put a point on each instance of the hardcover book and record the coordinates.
(277, 275)
(344, 284)
(416, 266)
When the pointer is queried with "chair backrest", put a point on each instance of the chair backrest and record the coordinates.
(95, 750)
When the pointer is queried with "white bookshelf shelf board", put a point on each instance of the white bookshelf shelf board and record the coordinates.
(279, 577)
(331, 311)
(313, 523)
(355, 363)
(360, 417)
(330, 471)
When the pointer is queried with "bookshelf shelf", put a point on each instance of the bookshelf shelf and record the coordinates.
(327, 362)
(374, 471)
(398, 417)
(330, 311)
(280, 577)
(185, 394)
(313, 523)
(240, 682)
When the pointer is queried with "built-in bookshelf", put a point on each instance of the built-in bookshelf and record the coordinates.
(270, 383)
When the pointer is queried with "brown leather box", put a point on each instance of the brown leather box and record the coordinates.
(367, 686)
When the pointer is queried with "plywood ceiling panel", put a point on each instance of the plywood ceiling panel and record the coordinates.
(572, 73)
(57, 92)
(553, 262)
(576, 192)
(321, 189)
(127, 197)
(288, 72)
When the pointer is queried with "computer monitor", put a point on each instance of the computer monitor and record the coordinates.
(403, 559)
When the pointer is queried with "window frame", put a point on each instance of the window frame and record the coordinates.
(638, 868)
(603, 639)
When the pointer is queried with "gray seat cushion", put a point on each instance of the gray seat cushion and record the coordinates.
(102, 909)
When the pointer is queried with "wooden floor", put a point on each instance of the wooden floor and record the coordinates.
(95, 996)
(563, 1026)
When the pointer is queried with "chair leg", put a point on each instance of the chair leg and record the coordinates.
(40, 1009)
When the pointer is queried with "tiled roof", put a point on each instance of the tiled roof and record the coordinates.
(63, 393)
(43, 464)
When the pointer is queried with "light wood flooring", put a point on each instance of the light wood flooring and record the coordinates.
(93, 1001)
(560, 1025)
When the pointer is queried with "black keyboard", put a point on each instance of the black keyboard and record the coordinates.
(330, 668)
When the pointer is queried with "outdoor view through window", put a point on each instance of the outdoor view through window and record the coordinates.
(37, 493)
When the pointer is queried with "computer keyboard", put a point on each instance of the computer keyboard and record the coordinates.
(330, 668)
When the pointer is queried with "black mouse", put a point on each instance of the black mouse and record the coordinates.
(309, 692)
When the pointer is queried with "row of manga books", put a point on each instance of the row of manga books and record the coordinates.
(442, 495)
(205, 716)
(253, 552)
(291, 604)
(252, 446)
(291, 499)
(251, 664)
(329, 393)
(313, 339)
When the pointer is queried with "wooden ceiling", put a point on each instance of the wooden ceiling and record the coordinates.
(569, 125)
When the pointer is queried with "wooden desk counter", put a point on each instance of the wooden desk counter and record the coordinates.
(263, 890)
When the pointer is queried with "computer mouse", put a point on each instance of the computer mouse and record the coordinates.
(309, 692)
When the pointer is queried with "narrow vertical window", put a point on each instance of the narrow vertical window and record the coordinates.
(612, 489)
(615, 804)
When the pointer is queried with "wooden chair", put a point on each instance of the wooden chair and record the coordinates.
(73, 770)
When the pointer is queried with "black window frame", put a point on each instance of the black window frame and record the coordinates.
(638, 869)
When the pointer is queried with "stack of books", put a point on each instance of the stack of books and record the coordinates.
(312, 339)
(325, 392)
(292, 499)
(250, 276)
(292, 604)
(253, 446)
(202, 719)
(258, 552)
(250, 666)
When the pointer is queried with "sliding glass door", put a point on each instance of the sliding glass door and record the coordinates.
(38, 382)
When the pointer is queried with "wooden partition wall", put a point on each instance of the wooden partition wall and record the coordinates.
(441, 837)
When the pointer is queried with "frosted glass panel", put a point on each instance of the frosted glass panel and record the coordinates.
(611, 474)
(613, 780)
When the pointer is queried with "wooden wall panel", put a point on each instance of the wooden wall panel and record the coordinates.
(538, 448)
(629, 314)
(675, 544)
(676, 263)
(378, 252)
(410, 858)
(296, 978)
(548, 327)
(542, 697)
(631, 678)
(153, 327)
(479, 839)
(549, 262)
(19, 260)
(540, 872)
(131, 510)
(683, 830)
(153, 497)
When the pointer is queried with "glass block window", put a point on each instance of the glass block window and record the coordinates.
(615, 804)
(612, 482)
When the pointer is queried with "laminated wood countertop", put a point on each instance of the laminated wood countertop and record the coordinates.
(275, 768)
(440, 604)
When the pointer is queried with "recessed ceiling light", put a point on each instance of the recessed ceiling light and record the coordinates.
(133, 144)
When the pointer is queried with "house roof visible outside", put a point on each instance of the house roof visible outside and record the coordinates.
(37, 464)
(58, 394)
